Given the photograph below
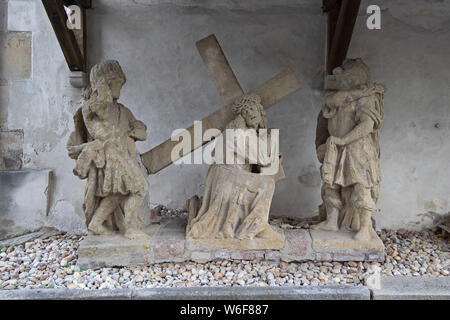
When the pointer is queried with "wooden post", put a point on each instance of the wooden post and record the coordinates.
(73, 44)
(342, 16)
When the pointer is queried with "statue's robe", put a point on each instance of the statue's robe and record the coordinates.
(236, 201)
(106, 156)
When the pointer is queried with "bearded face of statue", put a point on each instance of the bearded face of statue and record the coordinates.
(252, 115)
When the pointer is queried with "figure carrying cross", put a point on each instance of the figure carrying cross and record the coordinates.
(229, 89)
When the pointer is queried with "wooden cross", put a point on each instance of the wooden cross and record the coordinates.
(229, 89)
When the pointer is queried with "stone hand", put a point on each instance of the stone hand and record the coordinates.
(376, 88)
(338, 141)
(321, 150)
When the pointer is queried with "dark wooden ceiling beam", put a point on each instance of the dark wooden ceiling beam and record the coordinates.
(87, 4)
(72, 45)
(329, 5)
(342, 16)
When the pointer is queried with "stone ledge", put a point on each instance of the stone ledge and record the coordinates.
(392, 288)
(65, 294)
(167, 244)
(195, 293)
(412, 288)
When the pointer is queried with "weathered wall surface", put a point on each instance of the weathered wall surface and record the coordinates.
(168, 87)
(38, 99)
(411, 56)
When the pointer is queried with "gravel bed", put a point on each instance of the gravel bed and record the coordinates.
(50, 263)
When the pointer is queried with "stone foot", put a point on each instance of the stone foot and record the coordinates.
(374, 234)
(363, 235)
(325, 225)
(99, 230)
(271, 233)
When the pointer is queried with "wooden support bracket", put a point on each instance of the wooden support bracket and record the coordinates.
(342, 16)
(72, 42)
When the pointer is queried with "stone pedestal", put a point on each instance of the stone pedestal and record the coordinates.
(244, 244)
(340, 246)
(167, 243)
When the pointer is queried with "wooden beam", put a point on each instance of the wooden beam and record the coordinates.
(87, 4)
(332, 17)
(329, 5)
(73, 50)
(270, 92)
(340, 29)
(219, 69)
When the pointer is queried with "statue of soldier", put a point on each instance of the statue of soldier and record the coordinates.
(348, 148)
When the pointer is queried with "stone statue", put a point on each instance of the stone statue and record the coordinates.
(103, 144)
(348, 148)
(234, 210)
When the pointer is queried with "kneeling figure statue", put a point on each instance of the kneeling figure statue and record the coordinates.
(234, 211)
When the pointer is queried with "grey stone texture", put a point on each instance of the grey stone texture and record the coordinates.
(65, 294)
(195, 293)
(413, 288)
(256, 293)
(24, 200)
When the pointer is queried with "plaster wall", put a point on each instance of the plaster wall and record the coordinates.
(410, 54)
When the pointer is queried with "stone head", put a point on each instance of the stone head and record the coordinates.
(107, 74)
(352, 73)
(250, 108)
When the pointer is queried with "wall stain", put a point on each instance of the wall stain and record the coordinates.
(310, 179)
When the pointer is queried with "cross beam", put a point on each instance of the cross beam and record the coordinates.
(342, 16)
(72, 42)
(270, 92)
(219, 69)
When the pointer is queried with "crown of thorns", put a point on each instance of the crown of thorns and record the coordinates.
(245, 101)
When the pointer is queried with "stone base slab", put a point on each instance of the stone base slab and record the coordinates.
(274, 243)
(340, 246)
(167, 243)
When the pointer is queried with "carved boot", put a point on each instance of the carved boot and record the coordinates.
(331, 224)
(366, 229)
(96, 225)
